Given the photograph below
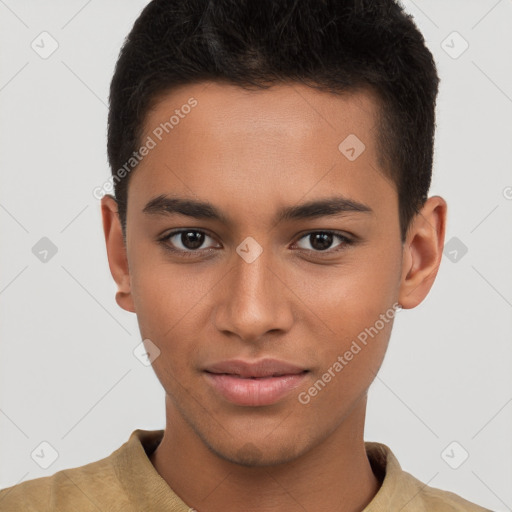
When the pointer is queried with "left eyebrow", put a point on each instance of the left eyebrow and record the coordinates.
(331, 206)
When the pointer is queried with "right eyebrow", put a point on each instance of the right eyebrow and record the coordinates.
(166, 205)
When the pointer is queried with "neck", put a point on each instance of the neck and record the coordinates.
(334, 475)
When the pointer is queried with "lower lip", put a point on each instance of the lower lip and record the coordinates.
(254, 392)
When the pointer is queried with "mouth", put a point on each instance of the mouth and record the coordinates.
(254, 384)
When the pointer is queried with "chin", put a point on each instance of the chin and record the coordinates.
(252, 455)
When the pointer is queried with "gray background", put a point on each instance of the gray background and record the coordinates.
(68, 375)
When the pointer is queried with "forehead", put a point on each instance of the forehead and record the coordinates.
(274, 145)
(290, 111)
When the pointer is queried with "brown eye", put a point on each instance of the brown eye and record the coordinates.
(186, 240)
(191, 239)
(322, 241)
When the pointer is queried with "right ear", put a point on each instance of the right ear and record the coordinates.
(116, 252)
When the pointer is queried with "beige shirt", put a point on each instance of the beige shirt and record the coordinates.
(127, 481)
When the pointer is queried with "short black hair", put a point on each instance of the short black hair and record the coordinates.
(331, 45)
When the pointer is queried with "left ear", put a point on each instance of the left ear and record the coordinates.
(422, 252)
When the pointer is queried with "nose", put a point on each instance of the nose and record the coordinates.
(253, 300)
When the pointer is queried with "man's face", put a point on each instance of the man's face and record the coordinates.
(303, 300)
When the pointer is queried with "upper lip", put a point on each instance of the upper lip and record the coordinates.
(261, 368)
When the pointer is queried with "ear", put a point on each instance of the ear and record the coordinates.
(116, 252)
(422, 252)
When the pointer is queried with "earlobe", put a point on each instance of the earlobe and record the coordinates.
(116, 252)
(423, 251)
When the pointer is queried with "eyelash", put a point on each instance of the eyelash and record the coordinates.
(345, 241)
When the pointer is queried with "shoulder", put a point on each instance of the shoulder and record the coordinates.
(82, 489)
(434, 499)
(402, 491)
(27, 496)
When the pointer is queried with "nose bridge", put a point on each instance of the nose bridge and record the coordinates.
(251, 276)
(253, 302)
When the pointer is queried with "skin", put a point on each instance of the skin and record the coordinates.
(250, 153)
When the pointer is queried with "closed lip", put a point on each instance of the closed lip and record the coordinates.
(255, 369)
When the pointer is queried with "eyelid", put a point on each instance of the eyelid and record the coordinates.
(165, 239)
(346, 240)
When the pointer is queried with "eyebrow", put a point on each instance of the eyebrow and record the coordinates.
(330, 206)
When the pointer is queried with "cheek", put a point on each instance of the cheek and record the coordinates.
(357, 305)
(354, 295)
(163, 294)
(154, 302)
(168, 305)
(348, 366)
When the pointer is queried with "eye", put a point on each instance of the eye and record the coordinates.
(321, 241)
(190, 242)
(185, 240)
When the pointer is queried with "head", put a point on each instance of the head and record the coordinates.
(293, 142)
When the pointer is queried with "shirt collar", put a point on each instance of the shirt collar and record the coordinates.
(142, 482)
